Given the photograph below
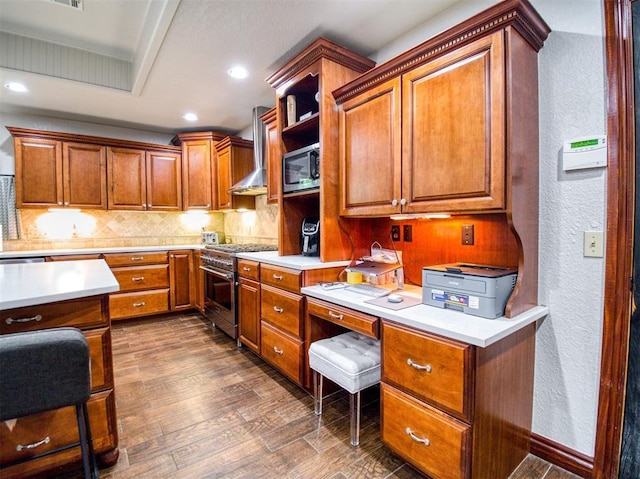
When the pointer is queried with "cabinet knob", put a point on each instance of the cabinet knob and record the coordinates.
(66, 203)
(394, 202)
(403, 202)
(60, 203)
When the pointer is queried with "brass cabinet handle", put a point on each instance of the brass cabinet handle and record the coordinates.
(137, 278)
(278, 310)
(279, 277)
(37, 317)
(424, 441)
(46, 440)
(138, 305)
(278, 351)
(137, 258)
(336, 316)
(426, 368)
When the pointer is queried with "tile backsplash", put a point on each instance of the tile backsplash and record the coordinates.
(43, 230)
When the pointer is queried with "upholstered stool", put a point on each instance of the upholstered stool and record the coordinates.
(352, 361)
(45, 370)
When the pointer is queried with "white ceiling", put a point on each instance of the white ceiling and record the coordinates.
(180, 51)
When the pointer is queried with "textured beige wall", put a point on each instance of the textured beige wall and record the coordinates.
(43, 230)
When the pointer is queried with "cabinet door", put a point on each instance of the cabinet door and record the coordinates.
(274, 157)
(85, 175)
(164, 181)
(453, 121)
(126, 179)
(38, 172)
(181, 274)
(249, 313)
(196, 175)
(198, 283)
(224, 179)
(370, 152)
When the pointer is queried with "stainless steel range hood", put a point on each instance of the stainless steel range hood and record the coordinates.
(256, 182)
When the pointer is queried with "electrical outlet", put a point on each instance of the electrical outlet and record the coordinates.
(594, 244)
(395, 232)
(467, 235)
(407, 233)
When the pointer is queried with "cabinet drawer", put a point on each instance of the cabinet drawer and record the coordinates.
(282, 351)
(135, 278)
(283, 309)
(363, 323)
(249, 269)
(285, 278)
(100, 350)
(60, 427)
(405, 421)
(78, 313)
(132, 259)
(130, 305)
(437, 370)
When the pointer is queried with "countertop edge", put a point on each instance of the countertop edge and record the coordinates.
(80, 251)
(299, 262)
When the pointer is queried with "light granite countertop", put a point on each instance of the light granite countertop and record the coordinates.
(445, 322)
(30, 284)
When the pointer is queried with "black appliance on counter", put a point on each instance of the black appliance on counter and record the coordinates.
(310, 236)
(220, 266)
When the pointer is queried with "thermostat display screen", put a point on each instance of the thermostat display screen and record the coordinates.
(583, 143)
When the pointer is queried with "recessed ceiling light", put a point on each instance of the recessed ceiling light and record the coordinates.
(238, 72)
(190, 116)
(15, 86)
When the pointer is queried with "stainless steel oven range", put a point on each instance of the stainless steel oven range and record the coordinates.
(219, 264)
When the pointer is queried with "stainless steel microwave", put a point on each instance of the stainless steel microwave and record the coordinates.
(301, 169)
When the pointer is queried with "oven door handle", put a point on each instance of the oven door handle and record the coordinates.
(217, 273)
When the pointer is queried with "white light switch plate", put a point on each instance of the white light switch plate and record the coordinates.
(594, 244)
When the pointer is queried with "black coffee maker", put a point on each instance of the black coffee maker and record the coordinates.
(310, 236)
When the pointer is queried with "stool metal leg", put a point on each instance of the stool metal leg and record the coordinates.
(354, 413)
(317, 393)
(86, 443)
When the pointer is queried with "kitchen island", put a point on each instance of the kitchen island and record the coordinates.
(35, 296)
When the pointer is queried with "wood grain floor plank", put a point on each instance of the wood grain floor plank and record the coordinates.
(191, 405)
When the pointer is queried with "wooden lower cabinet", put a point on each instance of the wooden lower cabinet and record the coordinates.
(248, 302)
(91, 315)
(144, 284)
(455, 410)
(283, 351)
(141, 303)
(181, 280)
(434, 442)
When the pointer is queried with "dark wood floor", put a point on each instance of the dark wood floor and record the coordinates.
(191, 404)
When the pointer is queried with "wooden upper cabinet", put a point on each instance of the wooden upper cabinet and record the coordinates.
(199, 169)
(144, 180)
(274, 157)
(235, 161)
(54, 173)
(435, 137)
(126, 174)
(370, 141)
(164, 180)
(38, 172)
(84, 175)
(196, 162)
(453, 121)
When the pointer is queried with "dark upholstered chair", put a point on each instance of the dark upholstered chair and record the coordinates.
(45, 370)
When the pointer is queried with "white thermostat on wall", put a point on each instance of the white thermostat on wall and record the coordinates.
(585, 152)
